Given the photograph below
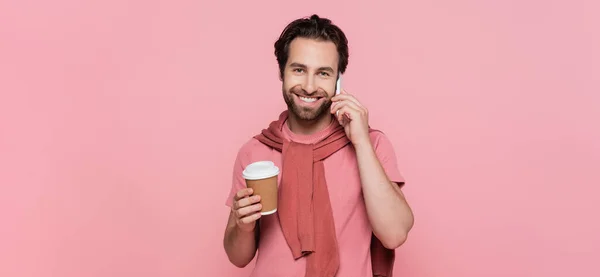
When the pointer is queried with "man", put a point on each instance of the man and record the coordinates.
(355, 214)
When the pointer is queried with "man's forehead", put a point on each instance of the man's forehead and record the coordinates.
(313, 53)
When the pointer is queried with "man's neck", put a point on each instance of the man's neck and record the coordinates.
(303, 127)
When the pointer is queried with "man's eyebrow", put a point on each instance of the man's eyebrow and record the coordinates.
(298, 65)
(323, 68)
(326, 68)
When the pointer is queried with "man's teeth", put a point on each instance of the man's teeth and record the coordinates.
(309, 100)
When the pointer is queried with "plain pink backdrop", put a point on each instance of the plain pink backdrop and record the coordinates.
(112, 162)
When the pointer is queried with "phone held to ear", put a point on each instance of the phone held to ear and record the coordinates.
(338, 84)
(338, 89)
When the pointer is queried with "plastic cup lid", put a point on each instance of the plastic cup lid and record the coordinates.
(260, 170)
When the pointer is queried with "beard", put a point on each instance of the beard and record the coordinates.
(307, 113)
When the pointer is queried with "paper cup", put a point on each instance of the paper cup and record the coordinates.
(262, 178)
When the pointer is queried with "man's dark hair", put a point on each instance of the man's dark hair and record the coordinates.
(314, 27)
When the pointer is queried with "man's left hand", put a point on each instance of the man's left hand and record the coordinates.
(353, 116)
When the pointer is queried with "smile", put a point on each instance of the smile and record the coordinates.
(308, 99)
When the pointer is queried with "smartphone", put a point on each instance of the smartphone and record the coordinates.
(338, 84)
(338, 88)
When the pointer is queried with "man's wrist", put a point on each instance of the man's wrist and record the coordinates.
(240, 231)
(363, 144)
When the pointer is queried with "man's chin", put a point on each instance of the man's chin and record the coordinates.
(307, 115)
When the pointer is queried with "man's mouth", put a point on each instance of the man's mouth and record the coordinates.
(308, 99)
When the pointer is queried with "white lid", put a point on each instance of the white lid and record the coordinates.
(260, 170)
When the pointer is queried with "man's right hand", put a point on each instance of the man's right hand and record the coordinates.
(246, 209)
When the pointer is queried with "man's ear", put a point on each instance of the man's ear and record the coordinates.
(280, 75)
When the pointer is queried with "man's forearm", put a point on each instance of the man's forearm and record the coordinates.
(389, 214)
(240, 246)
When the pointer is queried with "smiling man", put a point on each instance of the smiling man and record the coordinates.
(341, 210)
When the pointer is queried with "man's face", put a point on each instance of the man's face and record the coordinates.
(309, 78)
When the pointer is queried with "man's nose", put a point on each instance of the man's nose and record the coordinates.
(309, 84)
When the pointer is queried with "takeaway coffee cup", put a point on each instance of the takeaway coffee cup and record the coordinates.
(262, 178)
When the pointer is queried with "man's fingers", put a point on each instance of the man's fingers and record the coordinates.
(346, 96)
(247, 201)
(347, 109)
(249, 219)
(341, 104)
(249, 210)
(243, 193)
(346, 113)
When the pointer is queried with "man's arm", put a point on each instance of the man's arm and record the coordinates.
(389, 214)
(241, 233)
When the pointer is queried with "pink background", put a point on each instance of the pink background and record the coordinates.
(111, 163)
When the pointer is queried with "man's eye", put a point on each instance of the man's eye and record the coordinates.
(299, 70)
(324, 74)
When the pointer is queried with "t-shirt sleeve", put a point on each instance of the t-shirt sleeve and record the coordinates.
(387, 157)
(237, 181)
